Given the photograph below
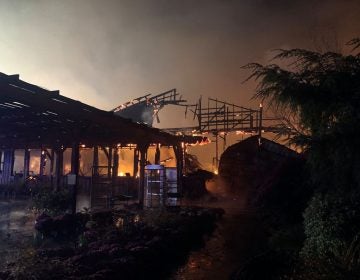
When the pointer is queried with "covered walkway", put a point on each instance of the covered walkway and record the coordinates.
(32, 117)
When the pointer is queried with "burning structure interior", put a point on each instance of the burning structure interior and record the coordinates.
(42, 124)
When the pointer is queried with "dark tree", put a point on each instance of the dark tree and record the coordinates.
(323, 91)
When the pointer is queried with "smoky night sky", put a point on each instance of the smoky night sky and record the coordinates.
(107, 52)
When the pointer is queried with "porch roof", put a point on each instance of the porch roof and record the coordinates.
(34, 117)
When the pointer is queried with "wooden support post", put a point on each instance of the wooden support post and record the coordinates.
(108, 154)
(26, 163)
(109, 162)
(51, 157)
(1, 160)
(42, 162)
(96, 161)
(12, 156)
(143, 155)
(115, 166)
(136, 162)
(75, 164)
(59, 167)
(179, 155)
(157, 154)
(7, 170)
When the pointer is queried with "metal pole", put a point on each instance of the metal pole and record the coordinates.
(260, 121)
(216, 150)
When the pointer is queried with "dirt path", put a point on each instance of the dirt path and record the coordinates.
(238, 237)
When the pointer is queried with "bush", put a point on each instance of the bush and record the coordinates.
(323, 221)
(332, 226)
(147, 250)
(52, 203)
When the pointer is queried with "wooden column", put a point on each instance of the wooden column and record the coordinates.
(12, 156)
(136, 162)
(26, 163)
(59, 167)
(42, 162)
(52, 164)
(157, 154)
(143, 156)
(1, 160)
(75, 165)
(96, 161)
(179, 155)
(109, 162)
(7, 166)
(115, 166)
(75, 158)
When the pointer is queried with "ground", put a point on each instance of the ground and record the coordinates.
(16, 228)
(238, 237)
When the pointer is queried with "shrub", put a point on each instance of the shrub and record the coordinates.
(324, 220)
(52, 203)
(332, 226)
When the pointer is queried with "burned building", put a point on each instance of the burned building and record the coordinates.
(38, 122)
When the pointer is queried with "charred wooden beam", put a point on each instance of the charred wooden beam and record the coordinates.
(96, 161)
(115, 166)
(136, 162)
(157, 154)
(75, 166)
(143, 158)
(26, 163)
(42, 162)
(59, 167)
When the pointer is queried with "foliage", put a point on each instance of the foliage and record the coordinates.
(105, 251)
(160, 218)
(51, 202)
(324, 227)
(31, 266)
(323, 91)
(332, 223)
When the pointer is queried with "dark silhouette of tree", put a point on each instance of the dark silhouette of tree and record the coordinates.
(323, 91)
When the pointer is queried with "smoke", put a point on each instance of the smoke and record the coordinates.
(105, 53)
